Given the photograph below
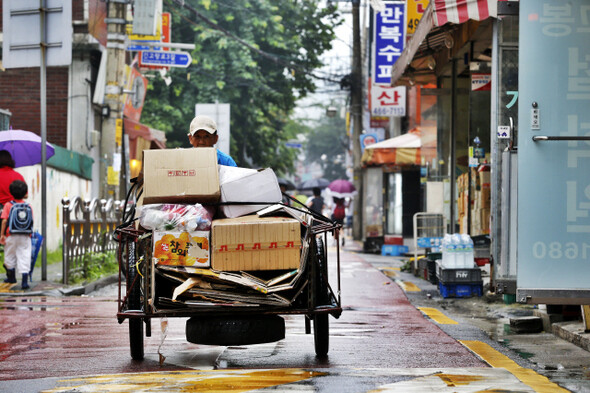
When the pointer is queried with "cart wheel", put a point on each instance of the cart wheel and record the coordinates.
(321, 325)
(134, 303)
(235, 329)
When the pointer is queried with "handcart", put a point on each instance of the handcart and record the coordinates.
(144, 292)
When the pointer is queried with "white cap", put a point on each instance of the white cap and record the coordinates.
(202, 122)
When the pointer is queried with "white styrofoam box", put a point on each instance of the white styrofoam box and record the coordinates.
(247, 185)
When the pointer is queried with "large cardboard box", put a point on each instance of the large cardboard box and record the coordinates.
(255, 243)
(181, 248)
(247, 185)
(180, 175)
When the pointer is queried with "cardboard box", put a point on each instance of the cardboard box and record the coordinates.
(255, 243)
(182, 248)
(180, 175)
(247, 185)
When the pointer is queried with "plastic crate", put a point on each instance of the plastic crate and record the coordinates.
(432, 272)
(393, 249)
(460, 290)
(422, 270)
(448, 275)
(393, 239)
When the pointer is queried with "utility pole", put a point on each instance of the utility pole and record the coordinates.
(110, 144)
(356, 109)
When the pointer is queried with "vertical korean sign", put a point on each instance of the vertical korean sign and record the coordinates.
(389, 36)
(553, 156)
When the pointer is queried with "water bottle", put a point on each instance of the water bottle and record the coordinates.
(446, 251)
(469, 260)
(458, 251)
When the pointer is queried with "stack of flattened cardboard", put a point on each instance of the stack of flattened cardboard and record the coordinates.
(226, 257)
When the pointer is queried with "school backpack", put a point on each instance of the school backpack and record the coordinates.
(20, 219)
(339, 212)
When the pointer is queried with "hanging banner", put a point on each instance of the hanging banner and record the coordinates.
(389, 37)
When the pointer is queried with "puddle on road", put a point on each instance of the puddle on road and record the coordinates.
(30, 304)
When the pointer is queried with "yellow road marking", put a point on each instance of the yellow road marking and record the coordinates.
(437, 316)
(455, 380)
(390, 272)
(7, 287)
(188, 381)
(495, 359)
(397, 269)
(409, 286)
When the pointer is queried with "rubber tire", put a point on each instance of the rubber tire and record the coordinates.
(321, 325)
(134, 303)
(235, 330)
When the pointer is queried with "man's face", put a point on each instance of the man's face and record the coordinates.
(202, 138)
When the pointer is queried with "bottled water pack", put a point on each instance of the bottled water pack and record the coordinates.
(457, 251)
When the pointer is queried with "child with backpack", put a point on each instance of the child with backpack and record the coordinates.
(15, 234)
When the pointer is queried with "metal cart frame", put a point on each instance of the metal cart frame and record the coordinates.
(316, 298)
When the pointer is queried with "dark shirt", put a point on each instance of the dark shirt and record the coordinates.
(317, 204)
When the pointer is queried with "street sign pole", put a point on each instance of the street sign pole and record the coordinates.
(111, 138)
(19, 49)
(43, 110)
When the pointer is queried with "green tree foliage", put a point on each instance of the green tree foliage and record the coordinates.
(258, 55)
(327, 145)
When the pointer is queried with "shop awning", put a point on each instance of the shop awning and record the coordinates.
(460, 11)
(142, 137)
(436, 23)
(413, 148)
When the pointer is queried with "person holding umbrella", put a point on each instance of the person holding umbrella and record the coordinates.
(7, 176)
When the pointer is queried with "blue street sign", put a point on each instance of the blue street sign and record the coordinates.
(294, 145)
(165, 58)
(136, 47)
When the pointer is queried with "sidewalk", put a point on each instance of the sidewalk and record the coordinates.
(53, 285)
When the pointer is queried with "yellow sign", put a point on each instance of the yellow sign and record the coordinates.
(118, 131)
(112, 177)
(141, 37)
(415, 11)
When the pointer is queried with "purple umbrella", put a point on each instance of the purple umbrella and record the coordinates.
(342, 189)
(24, 146)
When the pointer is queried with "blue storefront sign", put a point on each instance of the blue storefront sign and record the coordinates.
(389, 36)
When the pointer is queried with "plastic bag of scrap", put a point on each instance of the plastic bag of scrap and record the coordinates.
(181, 217)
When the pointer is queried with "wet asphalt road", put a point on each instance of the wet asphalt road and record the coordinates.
(381, 341)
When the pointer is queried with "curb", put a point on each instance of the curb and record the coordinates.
(573, 332)
(67, 291)
(90, 287)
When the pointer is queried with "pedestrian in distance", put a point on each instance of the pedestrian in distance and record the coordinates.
(203, 133)
(339, 212)
(17, 246)
(316, 203)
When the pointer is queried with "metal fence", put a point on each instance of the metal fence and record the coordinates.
(87, 229)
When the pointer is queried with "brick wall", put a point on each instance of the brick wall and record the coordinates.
(19, 93)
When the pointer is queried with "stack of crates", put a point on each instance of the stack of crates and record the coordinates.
(461, 282)
(431, 266)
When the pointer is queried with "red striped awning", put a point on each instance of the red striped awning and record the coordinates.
(460, 11)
